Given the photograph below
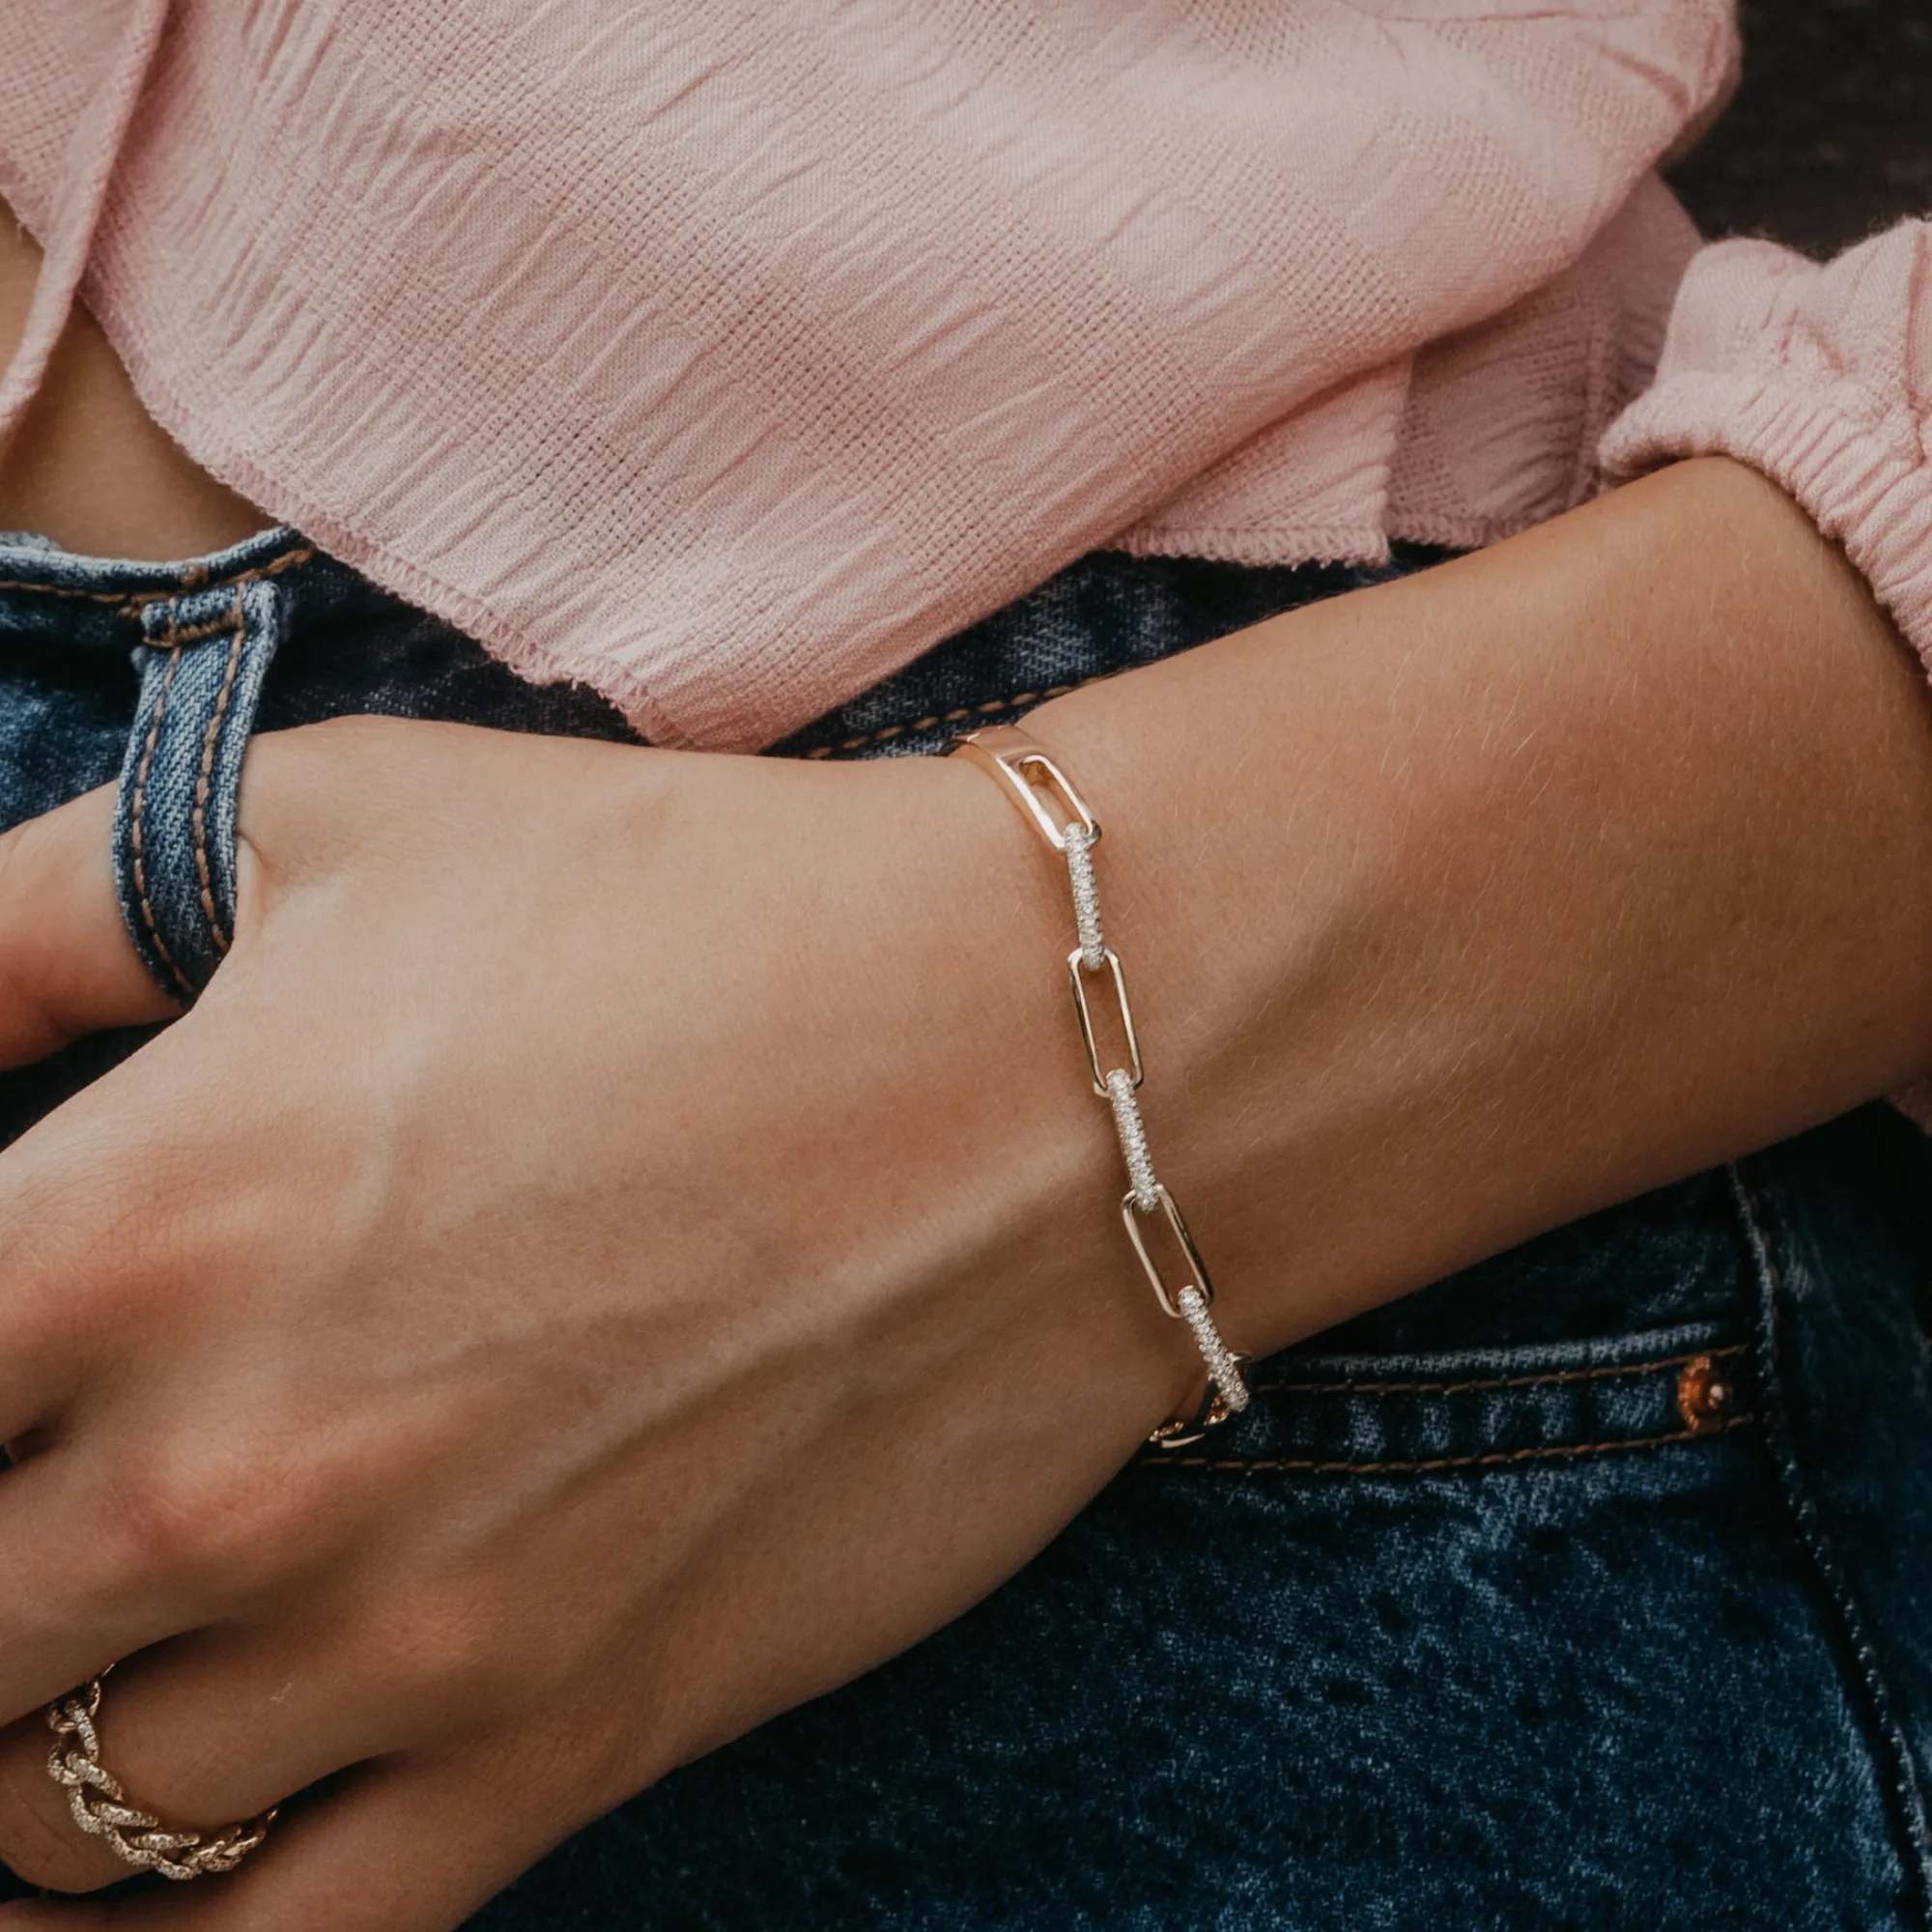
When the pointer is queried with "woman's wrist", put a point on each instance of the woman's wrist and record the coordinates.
(1468, 904)
(931, 1038)
(1455, 909)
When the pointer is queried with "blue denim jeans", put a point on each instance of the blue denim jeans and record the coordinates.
(1591, 1587)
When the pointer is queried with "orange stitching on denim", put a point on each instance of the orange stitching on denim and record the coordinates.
(887, 734)
(239, 622)
(132, 603)
(272, 568)
(64, 590)
(196, 634)
(1546, 1380)
(1494, 1459)
(141, 772)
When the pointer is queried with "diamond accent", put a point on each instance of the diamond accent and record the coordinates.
(1222, 1366)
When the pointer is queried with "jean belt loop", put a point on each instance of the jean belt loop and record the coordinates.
(202, 659)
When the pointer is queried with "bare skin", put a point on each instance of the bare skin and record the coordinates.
(89, 467)
(494, 1399)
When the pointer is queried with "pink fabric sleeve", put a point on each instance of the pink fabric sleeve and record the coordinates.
(727, 355)
(1820, 375)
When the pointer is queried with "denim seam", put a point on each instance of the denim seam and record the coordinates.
(889, 733)
(1491, 1459)
(237, 623)
(135, 828)
(1909, 1817)
(1544, 1381)
(194, 633)
(133, 602)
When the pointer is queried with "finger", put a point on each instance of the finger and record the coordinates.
(123, 1526)
(100, 1224)
(67, 965)
(85, 1235)
(405, 1846)
(40, 1841)
(205, 1731)
(84, 1583)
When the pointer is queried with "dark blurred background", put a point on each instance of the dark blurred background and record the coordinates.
(1830, 133)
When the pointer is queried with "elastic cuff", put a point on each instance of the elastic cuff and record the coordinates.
(1865, 483)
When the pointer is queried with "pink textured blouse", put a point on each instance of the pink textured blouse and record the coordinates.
(726, 354)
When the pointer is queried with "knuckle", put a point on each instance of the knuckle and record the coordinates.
(143, 1528)
(201, 1515)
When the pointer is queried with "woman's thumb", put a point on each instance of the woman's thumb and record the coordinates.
(67, 965)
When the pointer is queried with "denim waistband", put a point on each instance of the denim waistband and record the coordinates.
(87, 603)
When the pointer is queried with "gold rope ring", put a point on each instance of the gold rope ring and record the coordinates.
(100, 1806)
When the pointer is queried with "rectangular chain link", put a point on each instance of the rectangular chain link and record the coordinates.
(1048, 800)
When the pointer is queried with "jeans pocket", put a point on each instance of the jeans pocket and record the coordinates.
(1329, 1416)
(1467, 1639)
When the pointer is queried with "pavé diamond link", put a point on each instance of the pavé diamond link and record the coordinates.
(1133, 1139)
(1086, 896)
(100, 1806)
(1047, 796)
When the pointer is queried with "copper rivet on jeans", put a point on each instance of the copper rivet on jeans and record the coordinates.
(1703, 1396)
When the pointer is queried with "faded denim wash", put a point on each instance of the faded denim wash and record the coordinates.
(1590, 1588)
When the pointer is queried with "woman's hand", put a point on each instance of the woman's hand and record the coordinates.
(611, 1255)
(626, 1242)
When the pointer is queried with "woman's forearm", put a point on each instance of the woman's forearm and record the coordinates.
(1465, 905)
(716, 1284)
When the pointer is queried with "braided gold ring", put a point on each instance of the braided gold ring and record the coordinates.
(100, 1806)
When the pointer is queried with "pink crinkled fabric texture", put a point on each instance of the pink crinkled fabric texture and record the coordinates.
(1819, 375)
(727, 354)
